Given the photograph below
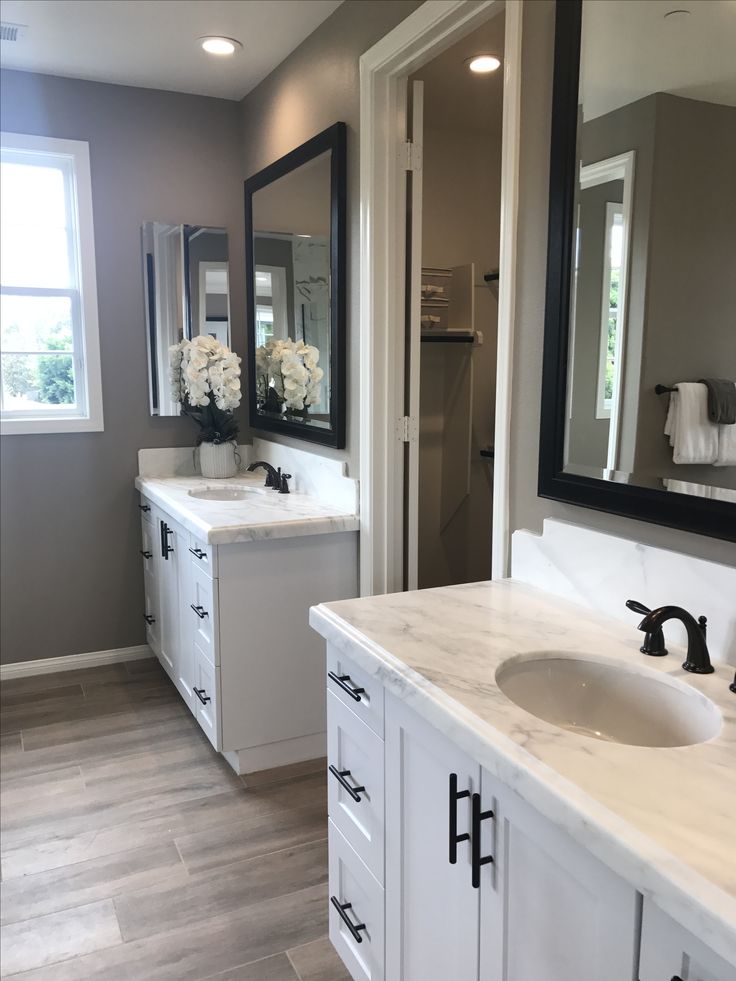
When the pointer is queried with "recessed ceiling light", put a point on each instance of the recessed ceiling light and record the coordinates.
(216, 45)
(482, 64)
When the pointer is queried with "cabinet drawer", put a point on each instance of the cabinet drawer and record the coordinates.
(144, 506)
(359, 691)
(207, 696)
(203, 556)
(351, 882)
(201, 607)
(355, 758)
(669, 950)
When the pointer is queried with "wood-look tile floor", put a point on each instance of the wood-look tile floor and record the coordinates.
(130, 850)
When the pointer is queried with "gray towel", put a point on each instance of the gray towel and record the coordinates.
(721, 400)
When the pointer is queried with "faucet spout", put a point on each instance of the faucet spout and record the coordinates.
(698, 658)
(273, 476)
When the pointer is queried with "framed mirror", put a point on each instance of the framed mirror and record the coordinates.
(295, 285)
(186, 293)
(640, 319)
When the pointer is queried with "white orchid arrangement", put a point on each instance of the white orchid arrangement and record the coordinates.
(288, 373)
(205, 379)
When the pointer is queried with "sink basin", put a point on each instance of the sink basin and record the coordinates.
(221, 493)
(608, 701)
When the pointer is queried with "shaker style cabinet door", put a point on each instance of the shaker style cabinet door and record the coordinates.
(167, 542)
(432, 909)
(563, 915)
(669, 950)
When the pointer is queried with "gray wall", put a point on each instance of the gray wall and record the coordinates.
(71, 577)
(528, 510)
(316, 86)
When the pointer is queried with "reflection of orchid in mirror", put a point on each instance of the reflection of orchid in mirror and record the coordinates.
(288, 374)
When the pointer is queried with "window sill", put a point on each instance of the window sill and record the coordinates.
(26, 427)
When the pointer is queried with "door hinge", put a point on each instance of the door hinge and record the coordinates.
(411, 156)
(407, 429)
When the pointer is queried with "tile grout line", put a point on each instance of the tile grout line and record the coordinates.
(276, 851)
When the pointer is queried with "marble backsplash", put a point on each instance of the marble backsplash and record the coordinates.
(602, 571)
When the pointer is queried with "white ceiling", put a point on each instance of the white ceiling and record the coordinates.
(630, 50)
(455, 97)
(153, 43)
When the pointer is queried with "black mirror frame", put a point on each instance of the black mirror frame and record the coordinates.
(699, 515)
(334, 140)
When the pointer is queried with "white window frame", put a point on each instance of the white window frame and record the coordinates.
(602, 404)
(87, 415)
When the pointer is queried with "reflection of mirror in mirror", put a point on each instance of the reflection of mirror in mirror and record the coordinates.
(185, 273)
(653, 298)
(291, 251)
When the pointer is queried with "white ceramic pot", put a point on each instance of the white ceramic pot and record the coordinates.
(218, 460)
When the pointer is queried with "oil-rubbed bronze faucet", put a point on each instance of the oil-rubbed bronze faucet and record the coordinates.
(273, 476)
(698, 658)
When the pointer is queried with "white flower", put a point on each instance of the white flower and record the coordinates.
(204, 370)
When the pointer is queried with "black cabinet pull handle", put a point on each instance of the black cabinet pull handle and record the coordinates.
(145, 507)
(149, 618)
(455, 838)
(201, 694)
(352, 927)
(198, 553)
(340, 775)
(146, 555)
(200, 611)
(476, 860)
(340, 680)
(676, 977)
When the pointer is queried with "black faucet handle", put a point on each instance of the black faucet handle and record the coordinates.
(654, 640)
(285, 478)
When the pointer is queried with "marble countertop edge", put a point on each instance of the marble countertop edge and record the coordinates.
(691, 899)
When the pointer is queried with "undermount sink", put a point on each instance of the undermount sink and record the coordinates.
(222, 493)
(609, 701)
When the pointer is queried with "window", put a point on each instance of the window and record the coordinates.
(610, 340)
(49, 342)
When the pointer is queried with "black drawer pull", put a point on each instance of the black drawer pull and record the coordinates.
(340, 680)
(352, 927)
(200, 611)
(146, 555)
(676, 977)
(476, 861)
(198, 553)
(145, 507)
(201, 694)
(149, 619)
(340, 775)
(455, 838)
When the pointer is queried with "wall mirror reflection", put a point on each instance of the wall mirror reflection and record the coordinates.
(639, 401)
(295, 280)
(186, 286)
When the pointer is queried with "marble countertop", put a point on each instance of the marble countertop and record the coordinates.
(263, 514)
(662, 818)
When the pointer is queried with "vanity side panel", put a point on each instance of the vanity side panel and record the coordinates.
(271, 663)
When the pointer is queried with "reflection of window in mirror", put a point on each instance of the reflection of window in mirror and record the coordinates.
(272, 322)
(611, 336)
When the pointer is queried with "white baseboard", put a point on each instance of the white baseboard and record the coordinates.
(70, 662)
(286, 751)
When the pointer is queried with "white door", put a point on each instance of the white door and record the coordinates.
(168, 543)
(432, 909)
(410, 433)
(565, 915)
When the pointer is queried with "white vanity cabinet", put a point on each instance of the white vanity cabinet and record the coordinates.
(670, 951)
(475, 884)
(229, 624)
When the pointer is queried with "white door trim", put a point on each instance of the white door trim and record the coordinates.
(432, 28)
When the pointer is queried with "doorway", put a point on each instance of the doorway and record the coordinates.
(390, 409)
(457, 111)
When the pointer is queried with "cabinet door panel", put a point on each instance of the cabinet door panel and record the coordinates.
(669, 950)
(566, 916)
(351, 882)
(432, 910)
(186, 662)
(202, 611)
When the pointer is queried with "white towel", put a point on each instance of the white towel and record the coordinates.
(723, 494)
(686, 487)
(726, 446)
(693, 437)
